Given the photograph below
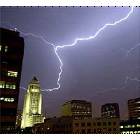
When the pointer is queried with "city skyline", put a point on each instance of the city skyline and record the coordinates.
(111, 76)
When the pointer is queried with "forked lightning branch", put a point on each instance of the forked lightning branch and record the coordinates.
(73, 44)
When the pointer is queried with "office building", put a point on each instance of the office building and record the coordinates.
(110, 110)
(131, 126)
(134, 108)
(11, 56)
(77, 109)
(32, 109)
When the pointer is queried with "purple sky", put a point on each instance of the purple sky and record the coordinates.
(91, 68)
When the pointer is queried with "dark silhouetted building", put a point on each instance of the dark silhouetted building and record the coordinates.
(61, 125)
(134, 108)
(96, 126)
(11, 56)
(68, 125)
(77, 109)
(110, 110)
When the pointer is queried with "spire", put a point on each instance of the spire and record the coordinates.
(34, 80)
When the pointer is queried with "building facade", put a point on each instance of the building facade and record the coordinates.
(134, 108)
(97, 126)
(11, 56)
(110, 110)
(32, 109)
(131, 126)
(68, 125)
(77, 109)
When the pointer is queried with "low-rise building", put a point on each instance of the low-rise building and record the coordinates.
(96, 126)
(68, 125)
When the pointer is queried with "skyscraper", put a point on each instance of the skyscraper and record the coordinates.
(77, 109)
(32, 113)
(11, 56)
(134, 108)
(110, 110)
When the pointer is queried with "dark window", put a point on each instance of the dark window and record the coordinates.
(8, 111)
(82, 124)
(83, 131)
(89, 131)
(99, 123)
(109, 129)
(94, 130)
(114, 129)
(77, 124)
(109, 123)
(88, 124)
(114, 123)
(104, 123)
(94, 124)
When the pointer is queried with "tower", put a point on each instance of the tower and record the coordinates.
(32, 113)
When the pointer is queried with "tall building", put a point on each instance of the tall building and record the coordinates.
(32, 113)
(11, 56)
(77, 109)
(110, 110)
(134, 108)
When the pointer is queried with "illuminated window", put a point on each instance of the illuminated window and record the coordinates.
(138, 102)
(121, 126)
(0, 48)
(6, 48)
(7, 99)
(138, 125)
(2, 84)
(10, 86)
(34, 90)
(12, 73)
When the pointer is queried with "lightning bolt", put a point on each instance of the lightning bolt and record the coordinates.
(132, 49)
(126, 80)
(57, 48)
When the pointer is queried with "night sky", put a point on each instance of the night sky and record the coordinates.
(93, 70)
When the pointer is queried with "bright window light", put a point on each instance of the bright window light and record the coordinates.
(2, 84)
(7, 99)
(10, 86)
(0, 48)
(12, 73)
(6, 48)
